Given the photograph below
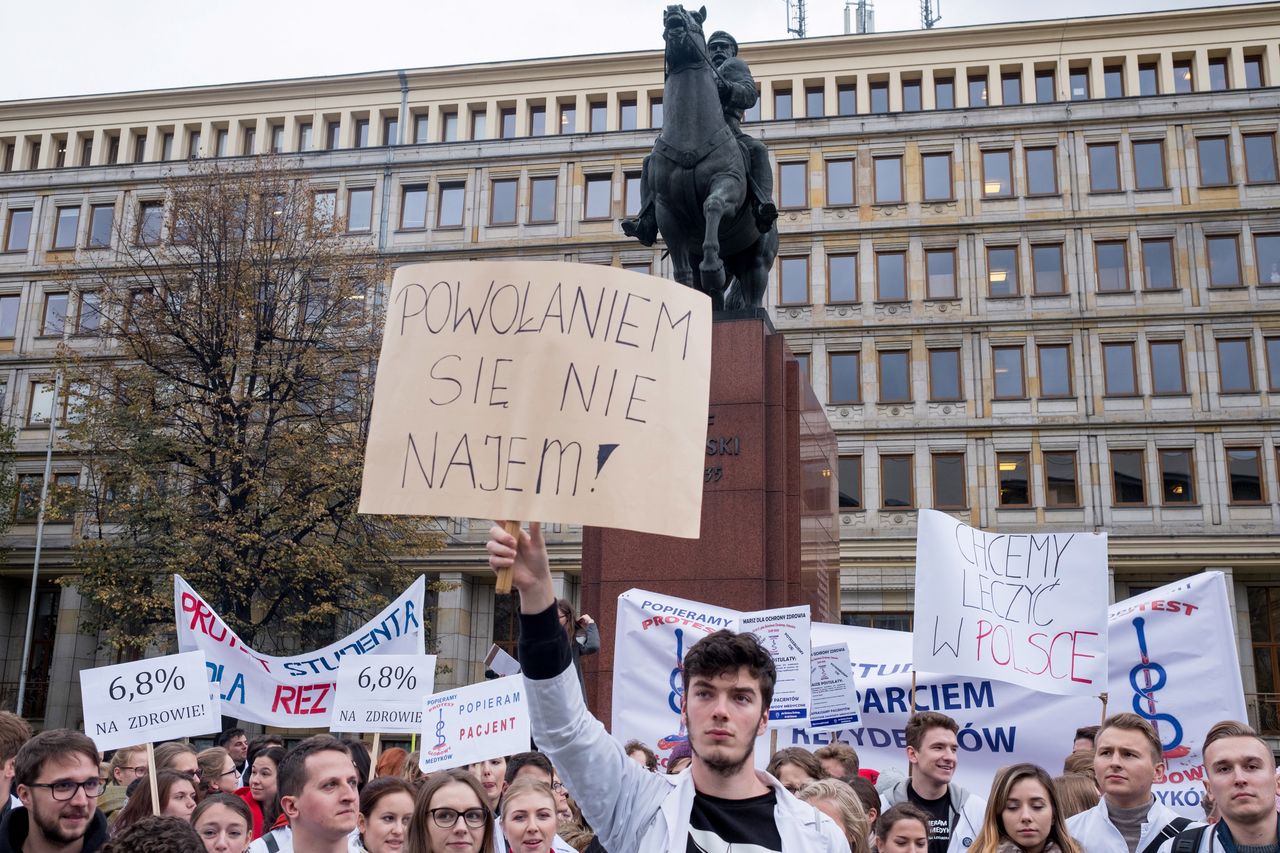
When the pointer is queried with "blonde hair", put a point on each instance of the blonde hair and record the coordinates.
(526, 785)
(1076, 793)
(853, 817)
(993, 832)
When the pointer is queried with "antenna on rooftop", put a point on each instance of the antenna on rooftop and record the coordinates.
(795, 18)
(930, 13)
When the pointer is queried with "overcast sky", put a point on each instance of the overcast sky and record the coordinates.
(77, 47)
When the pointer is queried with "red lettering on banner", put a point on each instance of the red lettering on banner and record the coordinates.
(300, 699)
(1058, 662)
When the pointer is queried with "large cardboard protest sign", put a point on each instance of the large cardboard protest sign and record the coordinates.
(536, 390)
(382, 693)
(1028, 608)
(153, 699)
(296, 691)
(474, 723)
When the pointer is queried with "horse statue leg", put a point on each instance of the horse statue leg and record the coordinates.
(723, 196)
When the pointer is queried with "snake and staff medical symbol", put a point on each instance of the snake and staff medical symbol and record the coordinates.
(675, 697)
(1144, 696)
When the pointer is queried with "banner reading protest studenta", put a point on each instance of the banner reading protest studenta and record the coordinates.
(296, 691)
(541, 390)
(1028, 608)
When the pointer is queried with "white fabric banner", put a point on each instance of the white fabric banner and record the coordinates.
(290, 692)
(1027, 608)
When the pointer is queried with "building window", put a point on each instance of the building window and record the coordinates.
(842, 279)
(54, 319)
(1167, 372)
(1128, 478)
(1014, 476)
(628, 116)
(912, 100)
(9, 317)
(1120, 371)
(655, 113)
(802, 362)
(1045, 86)
(1148, 165)
(938, 182)
(332, 135)
(542, 199)
(1260, 158)
(814, 102)
(193, 145)
(89, 319)
(948, 481)
(1266, 249)
(1149, 78)
(1010, 383)
(880, 96)
(944, 375)
(413, 207)
(324, 209)
(896, 481)
(1113, 81)
(1060, 484)
(101, 225)
(1235, 366)
(840, 182)
(631, 194)
(66, 227)
(1047, 274)
(1055, 370)
(568, 118)
(891, 276)
(944, 93)
(1224, 261)
(150, 220)
(1253, 72)
(794, 280)
(599, 196)
(1104, 168)
(895, 376)
(1042, 171)
(1273, 345)
(507, 122)
(1177, 485)
(849, 481)
(752, 113)
(250, 140)
(18, 230)
(1111, 261)
(1002, 271)
(502, 201)
(304, 138)
(478, 130)
(452, 199)
(277, 137)
(222, 140)
(1215, 161)
(888, 180)
(1011, 88)
(847, 99)
(449, 128)
(997, 174)
(781, 103)
(1244, 468)
(362, 133)
(940, 273)
(1264, 625)
(1079, 83)
(40, 407)
(845, 374)
(1157, 265)
(360, 209)
(792, 190)
(1219, 80)
(978, 90)
(538, 120)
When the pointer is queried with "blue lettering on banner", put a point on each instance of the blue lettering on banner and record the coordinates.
(397, 624)
(950, 696)
(216, 673)
(997, 739)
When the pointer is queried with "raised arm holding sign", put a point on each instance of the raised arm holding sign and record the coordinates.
(728, 684)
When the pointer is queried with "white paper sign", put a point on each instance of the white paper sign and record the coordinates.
(833, 704)
(501, 662)
(148, 700)
(474, 723)
(1027, 608)
(784, 634)
(382, 693)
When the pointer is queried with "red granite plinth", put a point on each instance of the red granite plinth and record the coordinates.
(768, 508)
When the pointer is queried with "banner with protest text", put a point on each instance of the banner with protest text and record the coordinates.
(474, 723)
(1028, 608)
(541, 390)
(296, 691)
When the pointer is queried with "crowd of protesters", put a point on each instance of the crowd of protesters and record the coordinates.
(582, 790)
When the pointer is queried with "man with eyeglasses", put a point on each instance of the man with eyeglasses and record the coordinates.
(56, 776)
(14, 732)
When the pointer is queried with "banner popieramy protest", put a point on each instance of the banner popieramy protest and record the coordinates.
(295, 691)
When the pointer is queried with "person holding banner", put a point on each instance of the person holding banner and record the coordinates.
(932, 751)
(1241, 773)
(56, 778)
(1128, 760)
(728, 685)
(1023, 815)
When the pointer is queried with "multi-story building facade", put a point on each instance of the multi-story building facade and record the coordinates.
(1032, 270)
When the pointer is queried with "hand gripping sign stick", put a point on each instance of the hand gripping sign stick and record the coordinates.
(502, 585)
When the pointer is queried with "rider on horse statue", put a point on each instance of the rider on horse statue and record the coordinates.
(737, 90)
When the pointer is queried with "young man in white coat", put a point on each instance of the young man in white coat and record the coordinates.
(1241, 774)
(1127, 760)
(721, 801)
(955, 815)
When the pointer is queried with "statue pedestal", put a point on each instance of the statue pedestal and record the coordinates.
(769, 535)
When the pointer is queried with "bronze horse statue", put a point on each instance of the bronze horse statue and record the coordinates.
(697, 176)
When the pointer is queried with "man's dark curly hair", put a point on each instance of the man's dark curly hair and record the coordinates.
(727, 652)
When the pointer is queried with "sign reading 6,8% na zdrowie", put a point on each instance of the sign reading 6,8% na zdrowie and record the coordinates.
(148, 700)
(382, 693)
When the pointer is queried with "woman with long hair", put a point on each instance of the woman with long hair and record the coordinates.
(1076, 793)
(903, 828)
(177, 799)
(386, 807)
(217, 772)
(584, 637)
(838, 801)
(223, 823)
(449, 815)
(795, 767)
(1023, 815)
(260, 795)
(528, 817)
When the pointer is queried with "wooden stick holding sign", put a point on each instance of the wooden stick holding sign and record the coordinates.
(377, 747)
(502, 586)
(151, 778)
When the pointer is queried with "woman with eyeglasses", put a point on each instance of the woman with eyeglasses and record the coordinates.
(386, 807)
(128, 764)
(528, 817)
(222, 822)
(180, 757)
(217, 772)
(449, 816)
(177, 799)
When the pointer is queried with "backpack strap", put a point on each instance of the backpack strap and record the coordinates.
(273, 846)
(1188, 841)
(1172, 828)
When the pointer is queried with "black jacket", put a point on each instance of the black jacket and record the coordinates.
(13, 832)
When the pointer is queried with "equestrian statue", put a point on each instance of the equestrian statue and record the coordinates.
(707, 187)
